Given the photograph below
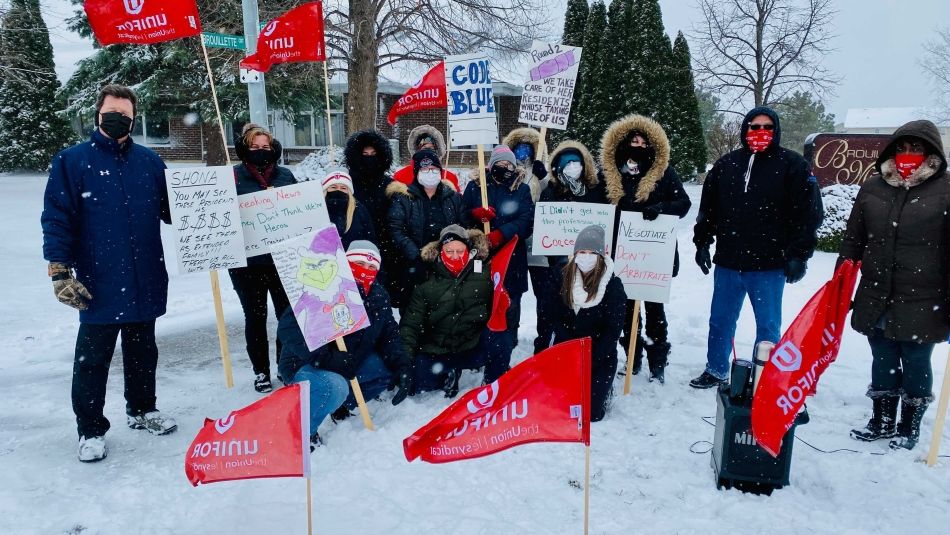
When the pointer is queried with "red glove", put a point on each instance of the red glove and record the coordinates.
(495, 238)
(483, 214)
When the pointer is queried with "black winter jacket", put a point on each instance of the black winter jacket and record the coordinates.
(408, 217)
(361, 227)
(245, 183)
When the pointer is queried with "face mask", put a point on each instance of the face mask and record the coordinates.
(115, 125)
(502, 175)
(337, 197)
(455, 266)
(364, 276)
(907, 163)
(369, 163)
(641, 155)
(429, 178)
(631, 168)
(523, 152)
(585, 261)
(573, 170)
(261, 157)
(759, 140)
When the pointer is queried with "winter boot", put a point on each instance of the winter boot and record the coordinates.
(315, 441)
(340, 414)
(883, 422)
(658, 375)
(706, 380)
(154, 422)
(92, 449)
(262, 383)
(908, 430)
(658, 355)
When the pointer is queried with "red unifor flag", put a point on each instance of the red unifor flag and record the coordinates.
(498, 321)
(142, 22)
(544, 399)
(268, 438)
(426, 94)
(295, 36)
(808, 347)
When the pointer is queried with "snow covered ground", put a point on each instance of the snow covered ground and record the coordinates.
(645, 479)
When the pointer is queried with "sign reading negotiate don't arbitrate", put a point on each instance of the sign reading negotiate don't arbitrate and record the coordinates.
(643, 258)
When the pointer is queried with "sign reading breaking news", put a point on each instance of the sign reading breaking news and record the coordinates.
(644, 256)
(549, 90)
(471, 101)
(277, 214)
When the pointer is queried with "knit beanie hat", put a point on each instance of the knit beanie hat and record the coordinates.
(592, 238)
(501, 153)
(337, 176)
(425, 158)
(365, 251)
(454, 233)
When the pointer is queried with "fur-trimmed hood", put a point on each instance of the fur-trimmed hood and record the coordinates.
(430, 252)
(426, 130)
(616, 134)
(475, 178)
(398, 188)
(354, 149)
(935, 164)
(590, 168)
(524, 135)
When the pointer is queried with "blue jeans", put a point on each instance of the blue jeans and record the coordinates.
(729, 290)
(431, 371)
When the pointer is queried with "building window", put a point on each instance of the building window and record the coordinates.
(303, 130)
(151, 130)
(310, 129)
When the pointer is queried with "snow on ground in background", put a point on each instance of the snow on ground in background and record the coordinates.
(644, 477)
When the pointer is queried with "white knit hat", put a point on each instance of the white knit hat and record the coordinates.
(337, 177)
(365, 251)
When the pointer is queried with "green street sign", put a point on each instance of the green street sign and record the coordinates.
(221, 40)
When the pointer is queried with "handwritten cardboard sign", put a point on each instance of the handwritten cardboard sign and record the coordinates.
(547, 95)
(277, 214)
(556, 225)
(205, 218)
(643, 258)
(471, 100)
(320, 286)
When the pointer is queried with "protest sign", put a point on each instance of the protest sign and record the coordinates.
(471, 101)
(277, 214)
(644, 256)
(557, 224)
(549, 90)
(320, 286)
(205, 218)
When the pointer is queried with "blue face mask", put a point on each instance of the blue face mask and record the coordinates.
(523, 152)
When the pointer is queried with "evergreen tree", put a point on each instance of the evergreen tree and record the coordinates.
(608, 80)
(575, 22)
(31, 128)
(801, 115)
(651, 94)
(685, 127)
(583, 114)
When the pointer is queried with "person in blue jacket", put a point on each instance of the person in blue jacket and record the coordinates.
(103, 205)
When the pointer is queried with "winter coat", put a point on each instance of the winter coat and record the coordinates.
(101, 214)
(406, 175)
(447, 314)
(660, 184)
(760, 227)
(533, 138)
(558, 191)
(361, 227)
(514, 217)
(380, 337)
(369, 185)
(900, 231)
(245, 183)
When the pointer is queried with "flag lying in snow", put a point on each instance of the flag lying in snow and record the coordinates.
(498, 321)
(268, 438)
(807, 348)
(295, 36)
(426, 94)
(544, 399)
(142, 22)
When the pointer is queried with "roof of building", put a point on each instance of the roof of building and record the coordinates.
(885, 117)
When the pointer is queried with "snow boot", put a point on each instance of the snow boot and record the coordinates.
(154, 422)
(658, 375)
(92, 449)
(883, 422)
(262, 383)
(908, 430)
(658, 355)
(706, 380)
(315, 441)
(340, 414)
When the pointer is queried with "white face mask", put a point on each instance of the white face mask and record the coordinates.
(430, 178)
(573, 170)
(585, 261)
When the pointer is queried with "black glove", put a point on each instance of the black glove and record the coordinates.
(67, 289)
(703, 259)
(653, 211)
(451, 386)
(794, 270)
(538, 169)
(418, 271)
(406, 382)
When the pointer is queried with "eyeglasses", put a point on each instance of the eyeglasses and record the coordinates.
(761, 126)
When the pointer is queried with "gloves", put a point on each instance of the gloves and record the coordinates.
(406, 382)
(703, 260)
(538, 169)
(653, 211)
(483, 214)
(68, 290)
(418, 272)
(794, 270)
(496, 238)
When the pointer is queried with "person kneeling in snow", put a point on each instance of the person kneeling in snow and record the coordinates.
(373, 354)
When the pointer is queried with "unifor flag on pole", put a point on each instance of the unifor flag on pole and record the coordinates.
(295, 36)
(426, 94)
(142, 22)
(498, 321)
(543, 399)
(268, 438)
(807, 348)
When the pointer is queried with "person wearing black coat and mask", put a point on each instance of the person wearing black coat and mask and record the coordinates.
(259, 153)
(636, 167)
(351, 218)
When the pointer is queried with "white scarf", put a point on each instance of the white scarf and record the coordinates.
(579, 294)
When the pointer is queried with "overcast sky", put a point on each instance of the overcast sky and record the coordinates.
(878, 46)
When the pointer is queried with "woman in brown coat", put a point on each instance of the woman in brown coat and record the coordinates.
(900, 231)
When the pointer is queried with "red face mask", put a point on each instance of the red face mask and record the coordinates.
(907, 163)
(364, 276)
(759, 140)
(455, 266)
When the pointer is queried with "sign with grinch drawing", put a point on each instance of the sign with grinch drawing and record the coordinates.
(320, 286)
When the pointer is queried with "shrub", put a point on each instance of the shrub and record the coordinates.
(837, 200)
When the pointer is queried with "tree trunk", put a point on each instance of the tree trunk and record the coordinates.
(362, 74)
(213, 144)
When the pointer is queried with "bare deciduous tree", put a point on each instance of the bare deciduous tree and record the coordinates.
(937, 65)
(764, 48)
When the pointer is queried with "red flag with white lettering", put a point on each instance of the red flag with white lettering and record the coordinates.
(268, 438)
(498, 321)
(543, 399)
(142, 22)
(426, 94)
(808, 347)
(295, 36)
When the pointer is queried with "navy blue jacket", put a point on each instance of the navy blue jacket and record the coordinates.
(245, 183)
(101, 214)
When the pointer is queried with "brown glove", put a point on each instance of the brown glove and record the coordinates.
(66, 288)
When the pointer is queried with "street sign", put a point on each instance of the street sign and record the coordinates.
(221, 40)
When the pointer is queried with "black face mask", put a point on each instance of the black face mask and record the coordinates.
(261, 157)
(644, 156)
(370, 163)
(502, 175)
(115, 125)
(337, 198)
